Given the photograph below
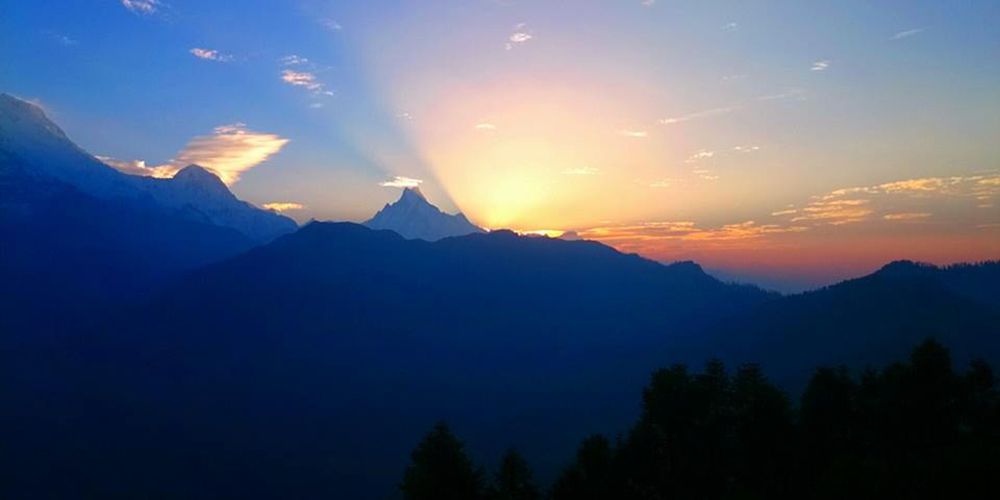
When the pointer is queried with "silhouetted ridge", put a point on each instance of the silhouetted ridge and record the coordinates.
(900, 268)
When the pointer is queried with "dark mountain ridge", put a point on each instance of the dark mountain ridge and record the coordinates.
(869, 320)
(342, 343)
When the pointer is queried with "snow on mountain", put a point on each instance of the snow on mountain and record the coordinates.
(413, 217)
(33, 145)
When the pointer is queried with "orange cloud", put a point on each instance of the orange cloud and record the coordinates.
(228, 152)
(283, 206)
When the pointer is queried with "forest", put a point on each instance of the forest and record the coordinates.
(913, 429)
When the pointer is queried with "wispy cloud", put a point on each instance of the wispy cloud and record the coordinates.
(137, 167)
(294, 60)
(283, 206)
(519, 36)
(647, 233)
(229, 151)
(581, 171)
(746, 149)
(793, 93)
(210, 55)
(305, 79)
(730, 27)
(648, 3)
(702, 154)
(331, 24)
(907, 216)
(638, 134)
(401, 182)
(61, 39)
(906, 34)
(488, 127)
(145, 7)
(821, 65)
(835, 212)
(698, 115)
(857, 204)
(662, 183)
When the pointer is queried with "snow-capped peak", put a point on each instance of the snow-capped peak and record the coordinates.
(412, 216)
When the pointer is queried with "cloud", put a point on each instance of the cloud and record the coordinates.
(330, 24)
(293, 60)
(486, 126)
(907, 216)
(746, 149)
(648, 3)
(793, 93)
(519, 36)
(229, 151)
(581, 171)
(662, 183)
(61, 39)
(702, 154)
(835, 212)
(138, 167)
(305, 79)
(857, 204)
(283, 206)
(820, 65)
(401, 182)
(730, 27)
(652, 232)
(210, 55)
(906, 34)
(145, 7)
(638, 134)
(698, 115)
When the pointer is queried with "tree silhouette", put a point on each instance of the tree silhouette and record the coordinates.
(589, 478)
(514, 480)
(911, 430)
(914, 429)
(440, 470)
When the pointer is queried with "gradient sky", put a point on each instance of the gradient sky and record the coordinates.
(792, 143)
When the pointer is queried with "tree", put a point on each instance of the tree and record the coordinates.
(589, 478)
(440, 470)
(514, 480)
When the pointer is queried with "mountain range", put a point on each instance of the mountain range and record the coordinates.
(162, 338)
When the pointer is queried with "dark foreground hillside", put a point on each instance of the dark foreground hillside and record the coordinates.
(306, 367)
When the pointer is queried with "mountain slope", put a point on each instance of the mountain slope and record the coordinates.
(414, 217)
(309, 366)
(42, 150)
(868, 321)
(68, 256)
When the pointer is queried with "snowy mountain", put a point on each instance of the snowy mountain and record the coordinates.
(32, 146)
(413, 217)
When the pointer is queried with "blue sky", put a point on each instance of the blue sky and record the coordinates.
(653, 125)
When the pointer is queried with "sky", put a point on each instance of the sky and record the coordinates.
(787, 143)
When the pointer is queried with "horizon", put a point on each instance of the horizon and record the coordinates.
(792, 148)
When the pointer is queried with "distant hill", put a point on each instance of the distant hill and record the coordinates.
(310, 365)
(868, 321)
(414, 217)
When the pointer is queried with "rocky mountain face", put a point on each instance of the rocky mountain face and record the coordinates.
(33, 146)
(413, 217)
